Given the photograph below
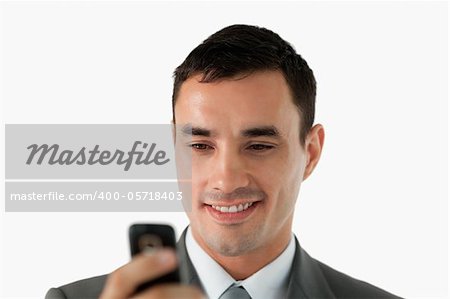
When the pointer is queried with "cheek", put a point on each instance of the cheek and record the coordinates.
(279, 172)
(199, 186)
(281, 179)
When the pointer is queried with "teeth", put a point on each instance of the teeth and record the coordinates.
(232, 209)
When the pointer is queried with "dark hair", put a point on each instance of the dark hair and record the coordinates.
(243, 49)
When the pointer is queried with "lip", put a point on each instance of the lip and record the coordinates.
(230, 203)
(231, 218)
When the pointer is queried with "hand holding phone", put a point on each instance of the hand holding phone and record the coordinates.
(149, 272)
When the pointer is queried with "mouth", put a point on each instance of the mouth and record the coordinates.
(231, 214)
(232, 209)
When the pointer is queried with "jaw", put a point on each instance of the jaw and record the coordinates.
(229, 234)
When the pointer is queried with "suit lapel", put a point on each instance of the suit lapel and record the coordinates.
(187, 270)
(306, 279)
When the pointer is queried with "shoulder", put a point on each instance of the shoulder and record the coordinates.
(311, 278)
(344, 286)
(86, 288)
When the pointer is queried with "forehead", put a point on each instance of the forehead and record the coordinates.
(259, 99)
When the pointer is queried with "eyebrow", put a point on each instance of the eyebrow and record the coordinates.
(190, 130)
(261, 131)
(264, 131)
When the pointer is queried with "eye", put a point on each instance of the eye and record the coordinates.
(200, 146)
(260, 147)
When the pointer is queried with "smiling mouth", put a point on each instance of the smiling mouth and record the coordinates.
(231, 214)
(232, 209)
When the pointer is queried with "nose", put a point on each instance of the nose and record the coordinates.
(228, 172)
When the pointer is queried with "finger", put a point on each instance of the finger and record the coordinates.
(166, 291)
(144, 267)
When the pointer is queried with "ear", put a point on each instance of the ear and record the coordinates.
(313, 147)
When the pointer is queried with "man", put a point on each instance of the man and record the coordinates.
(246, 101)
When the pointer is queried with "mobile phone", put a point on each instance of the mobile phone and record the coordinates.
(148, 237)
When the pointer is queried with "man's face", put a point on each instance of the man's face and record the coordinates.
(245, 150)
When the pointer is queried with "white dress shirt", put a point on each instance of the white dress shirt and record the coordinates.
(270, 282)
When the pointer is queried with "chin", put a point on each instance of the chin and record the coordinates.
(231, 244)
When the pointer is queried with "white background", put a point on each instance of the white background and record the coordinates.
(376, 206)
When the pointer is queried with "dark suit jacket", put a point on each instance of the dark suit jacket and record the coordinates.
(309, 278)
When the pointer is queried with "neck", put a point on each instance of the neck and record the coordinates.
(253, 260)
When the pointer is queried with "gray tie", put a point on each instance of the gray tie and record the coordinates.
(235, 292)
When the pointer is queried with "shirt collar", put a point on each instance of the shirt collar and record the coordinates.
(268, 282)
(215, 280)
